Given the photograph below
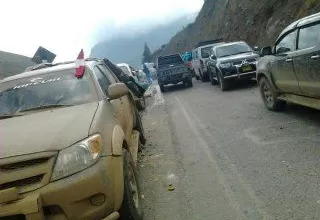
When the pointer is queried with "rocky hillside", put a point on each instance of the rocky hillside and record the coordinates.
(12, 64)
(258, 22)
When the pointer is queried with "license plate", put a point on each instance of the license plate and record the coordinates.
(246, 68)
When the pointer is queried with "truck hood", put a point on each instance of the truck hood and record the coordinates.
(46, 130)
(242, 56)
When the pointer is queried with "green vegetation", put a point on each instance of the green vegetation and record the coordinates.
(311, 3)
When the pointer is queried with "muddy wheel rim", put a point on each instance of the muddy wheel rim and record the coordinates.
(267, 93)
(134, 188)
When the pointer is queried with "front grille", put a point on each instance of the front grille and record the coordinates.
(22, 182)
(26, 173)
(239, 62)
(20, 165)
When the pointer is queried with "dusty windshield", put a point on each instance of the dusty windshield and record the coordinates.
(40, 91)
(229, 50)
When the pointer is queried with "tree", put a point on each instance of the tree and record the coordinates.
(146, 56)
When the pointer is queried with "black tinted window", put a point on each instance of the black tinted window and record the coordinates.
(309, 36)
(102, 79)
(168, 60)
(287, 44)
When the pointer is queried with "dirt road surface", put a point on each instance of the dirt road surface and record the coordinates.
(228, 157)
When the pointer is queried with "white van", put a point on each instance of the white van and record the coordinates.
(200, 55)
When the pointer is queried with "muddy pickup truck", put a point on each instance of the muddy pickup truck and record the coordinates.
(69, 145)
(171, 69)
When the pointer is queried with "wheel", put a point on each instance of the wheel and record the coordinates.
(197, 77)
(131, 207)
(203, 78)
(190, 83)
(269, 97)
(139, 127)
(224, 84)
(141, 104)
(162, 88)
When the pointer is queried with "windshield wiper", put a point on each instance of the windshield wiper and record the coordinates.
(44, 107)
(9, 116)
(241, 52)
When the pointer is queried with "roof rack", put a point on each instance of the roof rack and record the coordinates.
(203, 43)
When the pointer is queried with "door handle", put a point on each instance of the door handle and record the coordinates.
(315, 57)
(289, 60)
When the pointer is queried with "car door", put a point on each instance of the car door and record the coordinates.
(117, 104)
(307, 60)
(122, 105)
(282, 68)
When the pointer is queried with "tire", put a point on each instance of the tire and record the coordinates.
(197, 77)
(224, 84)
(190, 83)
(203, 78)
(139, 127)
(269, 97)
(162, 89)
(141, 104)
(131, 206)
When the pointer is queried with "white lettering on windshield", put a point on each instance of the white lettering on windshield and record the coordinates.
(37, 81)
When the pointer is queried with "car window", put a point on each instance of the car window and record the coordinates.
(102, 79)
(108, 74)
(287, 44)
(308, 36)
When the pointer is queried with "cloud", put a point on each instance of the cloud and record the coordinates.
(65, 27)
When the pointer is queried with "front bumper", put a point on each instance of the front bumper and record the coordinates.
(247, 75)
(87, 195)
(235, 71)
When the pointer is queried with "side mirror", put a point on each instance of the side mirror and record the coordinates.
(266, 51)
(117, 90)
(256, 48)
(283, 50)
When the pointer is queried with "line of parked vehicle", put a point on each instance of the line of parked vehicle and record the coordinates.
(289, 71)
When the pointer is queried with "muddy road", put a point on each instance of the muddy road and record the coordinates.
(228, 157)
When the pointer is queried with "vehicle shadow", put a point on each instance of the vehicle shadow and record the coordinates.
(303, 113)
(173, 88)
(242, 85)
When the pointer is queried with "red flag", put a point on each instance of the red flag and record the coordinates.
(80, 65)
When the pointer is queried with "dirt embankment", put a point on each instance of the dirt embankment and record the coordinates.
(257, 22)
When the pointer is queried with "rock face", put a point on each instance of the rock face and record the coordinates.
(259, 22)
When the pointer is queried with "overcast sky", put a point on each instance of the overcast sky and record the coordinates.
(66, 26)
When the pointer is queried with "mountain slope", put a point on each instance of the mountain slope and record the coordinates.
(257, 22)
(12, 64)
(130, 49)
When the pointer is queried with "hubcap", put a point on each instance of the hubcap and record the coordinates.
(133, 187)
(267, 93)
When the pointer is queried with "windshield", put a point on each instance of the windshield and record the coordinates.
(57, 89)
(205, 52)
(232, 49)
(169, 60)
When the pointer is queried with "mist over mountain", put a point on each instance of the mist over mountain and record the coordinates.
(128, 48)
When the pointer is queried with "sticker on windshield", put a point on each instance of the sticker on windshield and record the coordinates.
(37, 81)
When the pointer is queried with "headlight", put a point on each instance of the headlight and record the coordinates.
(225, 65)
(77, 157)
